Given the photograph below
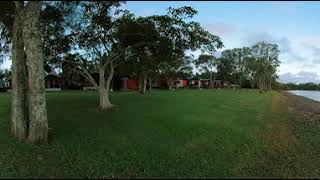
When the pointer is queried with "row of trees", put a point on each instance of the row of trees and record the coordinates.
(154, 44)
(256, 64)
(79, 38)
(86, 37)
(300, 86)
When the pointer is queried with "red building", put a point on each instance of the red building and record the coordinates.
(130, 84)
(180, 83)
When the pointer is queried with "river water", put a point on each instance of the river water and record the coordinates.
(315, 95)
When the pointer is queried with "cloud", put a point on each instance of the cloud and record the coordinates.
(300, 77)
(309, 39)
(317, 61)
(307, 66)
(221, 29)
(291, 51)
(315, 52)
(290, 57)
(252, 38)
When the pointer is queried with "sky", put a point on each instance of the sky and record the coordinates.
(294, 26)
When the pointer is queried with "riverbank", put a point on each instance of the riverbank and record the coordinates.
(314, 95)
(307, 109)
(305, 122)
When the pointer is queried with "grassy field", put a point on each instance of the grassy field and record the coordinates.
(163, 134)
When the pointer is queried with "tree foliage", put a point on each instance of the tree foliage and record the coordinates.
(7, 9)
(5, 41)
(179, 34)
(256, 65)
(55, 19)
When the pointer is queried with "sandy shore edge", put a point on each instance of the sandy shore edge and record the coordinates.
(301, 103)
(306, 111)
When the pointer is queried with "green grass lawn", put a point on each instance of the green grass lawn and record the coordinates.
(162, 134)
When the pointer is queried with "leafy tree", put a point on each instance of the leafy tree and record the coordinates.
(179, 35)
(225, 68)
(94, 34)
(145, 58)
(179, 68)
(4, 76)
(7, 15)
(250, 70)
(256, 64)
(237, 55)
(55, 19)
(4, 42)
(206, 63)
(105, 42)
(70, 71)
(266, 56)
(6, 24)
(206, 75)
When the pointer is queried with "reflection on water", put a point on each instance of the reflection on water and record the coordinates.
(315, 95)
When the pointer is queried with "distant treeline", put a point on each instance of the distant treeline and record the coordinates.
(293, 86)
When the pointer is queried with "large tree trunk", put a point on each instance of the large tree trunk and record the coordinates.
(211, 75)
(108, 82)
(104, 87)
(260, 84)
(252, 84)
(270, 83)
(240, 81)
(19, 110)
(140, 88)
(170, 84)
(143, 83)
(235, 82)
(150, 84)
(38, 126)
(265, 84)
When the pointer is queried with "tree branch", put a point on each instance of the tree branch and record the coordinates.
(88, 76)
(97, 52)
(110, 76)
